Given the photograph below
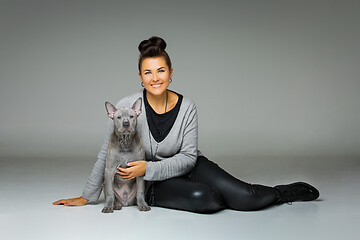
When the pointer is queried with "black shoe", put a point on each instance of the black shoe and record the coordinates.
(298, 191)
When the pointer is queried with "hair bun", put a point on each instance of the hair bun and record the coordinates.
(153, 44)
(153, 47)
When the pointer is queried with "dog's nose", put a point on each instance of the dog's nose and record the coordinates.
(126, 124)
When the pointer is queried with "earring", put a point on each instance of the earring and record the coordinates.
(142, 84)
(170, 80)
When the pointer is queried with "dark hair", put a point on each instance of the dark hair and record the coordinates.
(153, 47)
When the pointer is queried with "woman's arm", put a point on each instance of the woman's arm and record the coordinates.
(94, 184)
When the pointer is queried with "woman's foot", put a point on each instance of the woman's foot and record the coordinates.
(298, 191)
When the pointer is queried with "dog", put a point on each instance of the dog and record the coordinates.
(124, 146)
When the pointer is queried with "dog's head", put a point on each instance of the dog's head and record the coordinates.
(125, 119)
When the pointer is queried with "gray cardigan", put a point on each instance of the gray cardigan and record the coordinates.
(176, 154)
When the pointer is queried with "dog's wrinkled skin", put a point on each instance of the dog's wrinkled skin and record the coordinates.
(124, 146)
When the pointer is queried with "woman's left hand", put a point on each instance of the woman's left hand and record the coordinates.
(133, 170)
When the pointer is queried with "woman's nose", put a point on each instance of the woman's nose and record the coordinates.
(155, 77)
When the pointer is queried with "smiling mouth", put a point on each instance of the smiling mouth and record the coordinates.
(156, 85)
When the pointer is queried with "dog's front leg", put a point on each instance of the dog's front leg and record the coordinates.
(140, 195)
(109, 191)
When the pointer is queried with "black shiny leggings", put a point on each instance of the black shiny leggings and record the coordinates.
(208, 189)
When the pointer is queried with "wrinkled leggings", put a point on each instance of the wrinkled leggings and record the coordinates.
(208, 189)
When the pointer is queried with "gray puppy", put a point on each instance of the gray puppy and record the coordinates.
(124, 146)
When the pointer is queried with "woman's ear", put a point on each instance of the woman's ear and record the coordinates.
(140, 78)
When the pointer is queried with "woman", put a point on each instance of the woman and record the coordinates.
(178, 175)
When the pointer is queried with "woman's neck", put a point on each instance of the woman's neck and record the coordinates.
(158, 102)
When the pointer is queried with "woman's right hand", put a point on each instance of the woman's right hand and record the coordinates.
(80, 201)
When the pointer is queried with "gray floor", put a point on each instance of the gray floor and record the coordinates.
(29, 186)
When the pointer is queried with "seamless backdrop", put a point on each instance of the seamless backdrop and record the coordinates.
(269, 78)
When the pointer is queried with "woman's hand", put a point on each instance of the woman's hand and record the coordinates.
(80, 201)
(133, 170)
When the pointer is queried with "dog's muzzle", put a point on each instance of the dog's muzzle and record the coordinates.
(126, 124)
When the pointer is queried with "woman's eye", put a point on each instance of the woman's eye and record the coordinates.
(147, 73)
(161, 70)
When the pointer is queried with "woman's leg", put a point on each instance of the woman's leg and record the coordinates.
(182, 194)
(208, 189)
(237, 195)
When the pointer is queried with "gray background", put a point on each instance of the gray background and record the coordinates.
(269, 78)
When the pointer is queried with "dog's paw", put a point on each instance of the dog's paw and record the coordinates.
(117, 206)
(144, 208)
(107, 210)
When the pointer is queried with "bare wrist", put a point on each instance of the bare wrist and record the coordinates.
(84, 200)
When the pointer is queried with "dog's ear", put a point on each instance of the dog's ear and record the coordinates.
(137, 106)
(110, 109)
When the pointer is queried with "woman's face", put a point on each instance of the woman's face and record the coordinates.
(155, 75)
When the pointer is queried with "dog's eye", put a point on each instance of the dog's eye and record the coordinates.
(131, 116)
(119, 117)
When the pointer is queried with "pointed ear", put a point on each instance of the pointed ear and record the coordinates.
(137, 106)
(110, 109)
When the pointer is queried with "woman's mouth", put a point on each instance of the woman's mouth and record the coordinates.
(156, 85)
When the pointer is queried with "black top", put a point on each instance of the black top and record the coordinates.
(161, 124)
